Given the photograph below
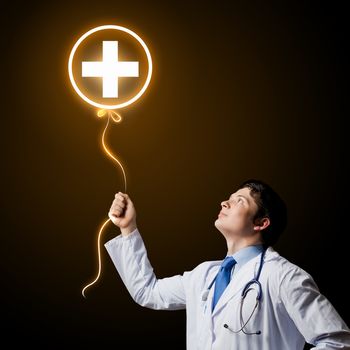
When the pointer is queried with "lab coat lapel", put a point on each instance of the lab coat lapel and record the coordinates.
(236, 285)
(207, 332)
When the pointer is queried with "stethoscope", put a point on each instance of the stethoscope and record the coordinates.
(246, 289)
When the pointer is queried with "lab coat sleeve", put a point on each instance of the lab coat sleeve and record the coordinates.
(130, 259)
(312, 313)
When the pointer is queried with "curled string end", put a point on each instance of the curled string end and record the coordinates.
(99, 258)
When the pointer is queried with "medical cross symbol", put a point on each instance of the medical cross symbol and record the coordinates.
(110, 69)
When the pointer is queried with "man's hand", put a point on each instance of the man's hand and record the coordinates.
(123, 213)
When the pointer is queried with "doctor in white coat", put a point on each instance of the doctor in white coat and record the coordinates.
(268, 304)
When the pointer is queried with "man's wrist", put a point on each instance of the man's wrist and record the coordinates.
(125, 231)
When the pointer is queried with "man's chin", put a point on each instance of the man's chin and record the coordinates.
(218, 225)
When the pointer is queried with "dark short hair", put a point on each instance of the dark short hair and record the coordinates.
(270, 205)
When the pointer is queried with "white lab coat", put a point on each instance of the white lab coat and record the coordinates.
(291, 310)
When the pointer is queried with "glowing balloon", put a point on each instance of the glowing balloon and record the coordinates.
(110, 67)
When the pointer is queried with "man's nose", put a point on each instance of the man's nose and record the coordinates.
(224, 204)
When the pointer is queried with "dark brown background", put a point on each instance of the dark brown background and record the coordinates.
(237, 92)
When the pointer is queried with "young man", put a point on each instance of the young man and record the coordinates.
(254, 299)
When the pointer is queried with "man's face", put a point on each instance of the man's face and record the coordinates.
(237, 214)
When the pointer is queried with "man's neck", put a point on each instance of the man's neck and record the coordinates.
(234, 245)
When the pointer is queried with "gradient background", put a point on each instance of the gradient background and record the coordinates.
(238, 91)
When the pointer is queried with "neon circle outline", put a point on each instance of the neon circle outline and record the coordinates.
(120, 105)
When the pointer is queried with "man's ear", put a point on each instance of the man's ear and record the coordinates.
(261, 224)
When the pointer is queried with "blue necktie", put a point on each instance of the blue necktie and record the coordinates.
(223, 278)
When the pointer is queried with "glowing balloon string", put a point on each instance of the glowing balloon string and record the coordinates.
(116, 118)
(99, 259)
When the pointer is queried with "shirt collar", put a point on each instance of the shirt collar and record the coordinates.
(247, 253)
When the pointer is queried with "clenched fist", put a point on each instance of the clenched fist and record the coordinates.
(123, 213)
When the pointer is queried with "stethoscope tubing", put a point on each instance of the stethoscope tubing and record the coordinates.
(254, 280)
